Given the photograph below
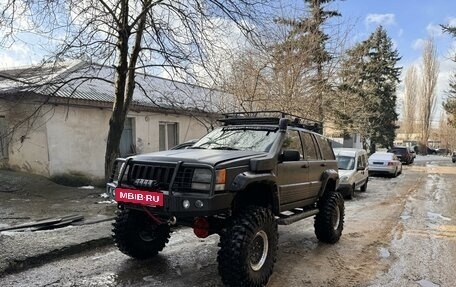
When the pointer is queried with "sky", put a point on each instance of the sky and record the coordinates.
(408, 22)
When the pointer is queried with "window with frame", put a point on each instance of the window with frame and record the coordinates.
(168, 135)
(292, 141)
(325, 147)
(127, 145)
(310, 148)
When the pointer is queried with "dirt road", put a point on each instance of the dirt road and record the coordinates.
(401, 232)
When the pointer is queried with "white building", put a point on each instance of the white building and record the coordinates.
(54, 119)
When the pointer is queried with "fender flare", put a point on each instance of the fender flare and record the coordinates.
(243, 180)
(327, 176)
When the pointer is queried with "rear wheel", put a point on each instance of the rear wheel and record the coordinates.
(248, 248)
(364, 186)
(329, 222)
(137, 236)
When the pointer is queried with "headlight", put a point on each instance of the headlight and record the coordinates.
(202, 179)
(344, 178)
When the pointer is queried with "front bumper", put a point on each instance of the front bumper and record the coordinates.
(197, 204)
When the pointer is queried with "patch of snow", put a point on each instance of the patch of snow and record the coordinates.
(427, 283)
(104, 195)
(106, 202)
(436, 216)
(405, 217)
(384, 252)
(86, 187)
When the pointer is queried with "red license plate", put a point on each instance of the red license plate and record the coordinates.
(139, 196)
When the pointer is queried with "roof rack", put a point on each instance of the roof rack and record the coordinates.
(270, 118)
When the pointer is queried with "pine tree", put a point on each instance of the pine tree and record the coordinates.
(303, 56)
(369, 79)
(450, 104)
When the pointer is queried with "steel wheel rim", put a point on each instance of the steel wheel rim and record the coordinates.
(258, 250)
(336, 218)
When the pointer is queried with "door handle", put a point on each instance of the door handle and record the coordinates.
(323, 164)
(304, 166)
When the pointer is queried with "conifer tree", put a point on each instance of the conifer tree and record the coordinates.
(369, 78)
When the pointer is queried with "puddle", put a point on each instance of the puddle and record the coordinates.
(383, 252)
(427, 283)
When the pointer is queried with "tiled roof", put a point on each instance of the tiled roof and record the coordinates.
(94, 82)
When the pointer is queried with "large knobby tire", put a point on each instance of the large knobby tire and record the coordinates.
(329, 221)
(248, 248)
(137, 236)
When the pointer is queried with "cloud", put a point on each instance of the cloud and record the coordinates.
(400, 33)
(418, 44)
(380, 19)
(434, 30)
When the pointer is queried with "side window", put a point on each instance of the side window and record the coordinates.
(360, 161)
(292, 141)
(310, 150)
(326, 149)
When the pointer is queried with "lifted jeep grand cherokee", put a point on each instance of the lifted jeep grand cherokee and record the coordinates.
(239, 181)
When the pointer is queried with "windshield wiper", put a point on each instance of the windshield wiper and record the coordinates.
(225, 148)
(196, 147)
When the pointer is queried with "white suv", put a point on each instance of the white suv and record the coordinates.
(353, 170)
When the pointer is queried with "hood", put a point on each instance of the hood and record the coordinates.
(208, 156)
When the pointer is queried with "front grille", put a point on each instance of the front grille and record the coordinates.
(161, 174)
(183, 181)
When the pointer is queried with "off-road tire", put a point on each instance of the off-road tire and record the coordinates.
(243, 259)
(137, 236)
(329, 221)
(364, 186)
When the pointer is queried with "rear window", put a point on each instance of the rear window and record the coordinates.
(399, 150)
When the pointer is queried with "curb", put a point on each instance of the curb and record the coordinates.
(39, 259)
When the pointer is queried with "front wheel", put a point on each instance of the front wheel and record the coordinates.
(137, 236)
(248, 248)
(329, 221)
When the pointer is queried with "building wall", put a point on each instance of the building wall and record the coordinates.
(76, 138)
(27, 144)
(71, 140)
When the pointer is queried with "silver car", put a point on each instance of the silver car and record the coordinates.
(385, 163)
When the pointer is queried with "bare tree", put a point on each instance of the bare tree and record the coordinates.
(410, 100)
(141, 35)
(428, 96)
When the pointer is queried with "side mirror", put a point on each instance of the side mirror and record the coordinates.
(291, 155)
(361, 168)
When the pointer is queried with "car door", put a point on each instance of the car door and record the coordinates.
(315, 161)
(293, 176)
(361, 170)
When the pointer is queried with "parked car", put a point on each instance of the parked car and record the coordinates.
(385, 163)
(353, 170)
(412, 152)
(453, 157)
(237, 182)
(184, 144)
(403, 153)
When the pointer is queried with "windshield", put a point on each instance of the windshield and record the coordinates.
(345, 162)
(238, 139)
